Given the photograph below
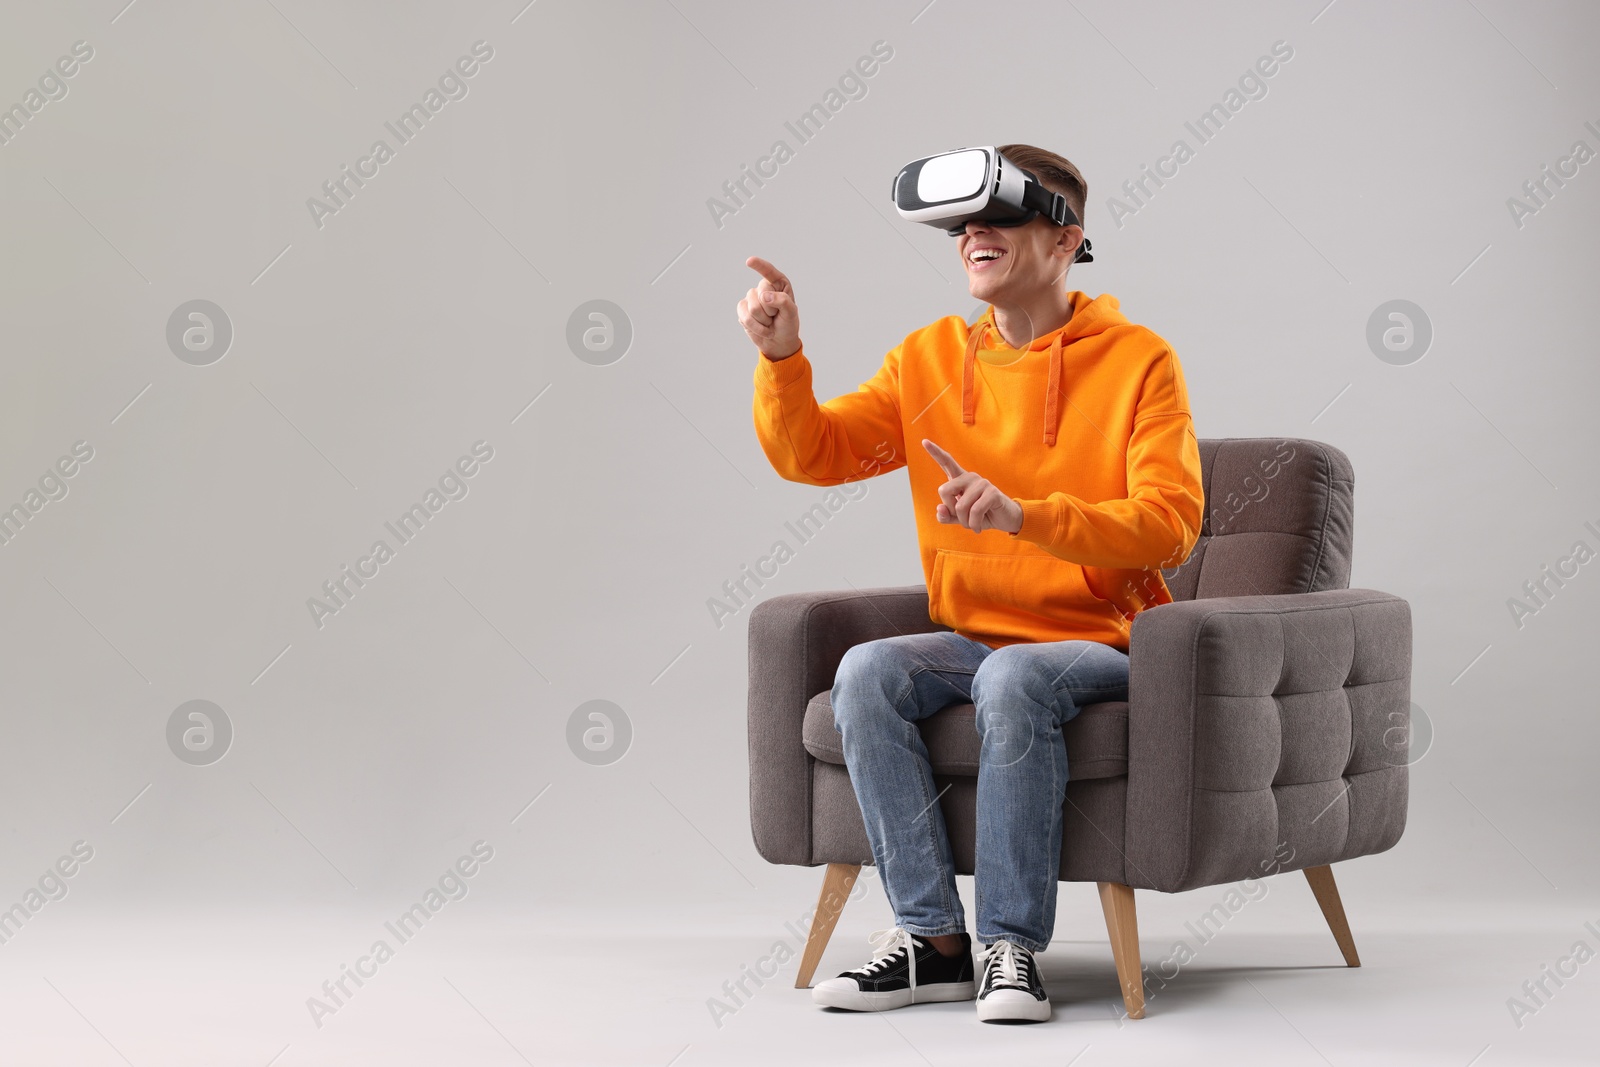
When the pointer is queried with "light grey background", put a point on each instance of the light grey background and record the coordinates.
(370, 353)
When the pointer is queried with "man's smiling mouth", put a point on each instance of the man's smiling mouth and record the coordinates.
(982, 257)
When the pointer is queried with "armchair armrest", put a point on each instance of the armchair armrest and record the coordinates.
(1262, 734)
(796, 643)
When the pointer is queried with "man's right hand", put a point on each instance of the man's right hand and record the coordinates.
(768, 314)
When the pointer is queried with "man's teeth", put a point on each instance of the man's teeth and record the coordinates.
(984, 253)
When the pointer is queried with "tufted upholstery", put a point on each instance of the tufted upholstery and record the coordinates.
(1279, 518)
(1264, 722)
(1258, 709)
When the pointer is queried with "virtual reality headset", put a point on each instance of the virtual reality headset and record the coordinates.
(953, 188)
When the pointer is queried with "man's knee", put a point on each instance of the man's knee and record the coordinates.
(1015, 704)
(1010, 671)
(864, 684)
(867, 664)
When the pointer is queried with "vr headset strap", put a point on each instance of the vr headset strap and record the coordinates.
(1053, 206)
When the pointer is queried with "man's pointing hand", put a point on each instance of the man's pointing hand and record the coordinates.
(768, 314)
(971, 499)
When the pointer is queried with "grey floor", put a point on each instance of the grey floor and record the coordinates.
(490, 982)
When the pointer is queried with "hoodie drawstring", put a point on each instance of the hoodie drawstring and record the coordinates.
(969, 401)
(1052, 397)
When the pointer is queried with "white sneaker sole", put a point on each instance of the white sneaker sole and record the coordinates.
(1010, 1005)
(848, 996)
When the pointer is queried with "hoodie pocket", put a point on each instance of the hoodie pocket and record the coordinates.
(1132, 591)
(981, 591)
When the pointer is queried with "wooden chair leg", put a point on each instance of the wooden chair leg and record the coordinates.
(1122, 923)
(836, 885)
(1321, 879)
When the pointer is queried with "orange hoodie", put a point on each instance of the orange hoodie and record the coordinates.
(1088, 428)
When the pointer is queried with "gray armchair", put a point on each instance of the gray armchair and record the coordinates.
(1266, 727)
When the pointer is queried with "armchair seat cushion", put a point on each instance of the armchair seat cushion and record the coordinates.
(1096, 738)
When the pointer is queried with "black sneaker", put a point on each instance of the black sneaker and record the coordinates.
(905, 970)
(1011, 991)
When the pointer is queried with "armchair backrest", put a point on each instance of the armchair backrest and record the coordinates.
(1279, 518)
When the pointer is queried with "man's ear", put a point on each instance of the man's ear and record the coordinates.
(1068, 241)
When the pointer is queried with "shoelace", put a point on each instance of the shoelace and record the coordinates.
(1012, 964)
(888, 944)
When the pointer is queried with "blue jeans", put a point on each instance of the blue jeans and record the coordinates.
(1024, 693)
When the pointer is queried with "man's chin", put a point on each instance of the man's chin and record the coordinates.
(983, 289)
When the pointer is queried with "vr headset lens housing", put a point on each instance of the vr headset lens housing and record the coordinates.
(950, 189)
(953, 177)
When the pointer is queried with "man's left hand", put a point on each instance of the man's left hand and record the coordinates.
(971, 499)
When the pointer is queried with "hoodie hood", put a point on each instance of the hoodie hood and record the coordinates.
(1089, 317)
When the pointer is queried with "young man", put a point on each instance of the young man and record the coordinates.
(1054, 471)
